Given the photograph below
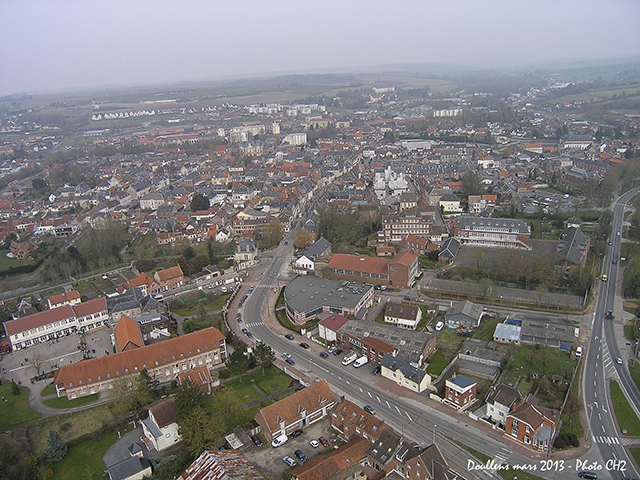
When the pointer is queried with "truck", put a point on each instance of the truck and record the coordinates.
(349, 358)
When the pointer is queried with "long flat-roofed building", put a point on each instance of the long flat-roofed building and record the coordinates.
(493, 232)
(307, 296)
(163, 361)
(57, 322)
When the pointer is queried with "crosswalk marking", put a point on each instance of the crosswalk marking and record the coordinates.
(606, 439)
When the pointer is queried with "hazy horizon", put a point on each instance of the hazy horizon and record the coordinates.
(77, 45)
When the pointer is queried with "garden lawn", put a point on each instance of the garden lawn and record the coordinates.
(636, 454)
(449, 342)
(84, 460)
(16, 409)
(437, 364)
(48, 390)
(70, 426)
(627, 419)
(487, 327)
(62, 402)
(634, 368)
(274, 381)
(543, 360)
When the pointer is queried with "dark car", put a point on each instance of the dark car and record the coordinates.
(324, 441)
(301, 456)
(369, 409)
(324, 354)
(588, 475)
(239, 318)
(304, 345)
(245, 331)
(376, 370)
(614, 261)
(296, 433)
(289, 336)
(286, 243)
(290, 361)
(257, 442)
(249, 334)
(337, 352)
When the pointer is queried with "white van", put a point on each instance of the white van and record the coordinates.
(578, 351)
(360, 362)
(439, 326)
(281, 440)
(349, 358)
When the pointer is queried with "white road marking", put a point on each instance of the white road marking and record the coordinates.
(348, 382)
(378, 399)
(360, 389)
(408, 416)
(397, 408)
(602, 427)
(370, 395)
(387, 404)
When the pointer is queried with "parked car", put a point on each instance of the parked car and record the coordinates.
(337, 352)
(323, 441)
(296, 433)
(439, 326)
(289, 461)
(304, 345)
(588, 475)
(314, 443)
(257, 442)
(332, 349)
(369, 409)
(286, 355)
(289, 336)
(376, 370)
(290, 361)
(301, 456)
(281, 440)
(324, 354)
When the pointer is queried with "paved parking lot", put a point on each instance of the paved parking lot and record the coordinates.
(18, 365)
(269, 459)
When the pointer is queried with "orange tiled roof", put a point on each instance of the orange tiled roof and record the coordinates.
(289, 409)
(64, 297)
(130, 361)
(359, 263)
(405, 258)
(127, 334)
(169, 273)
(328, 465)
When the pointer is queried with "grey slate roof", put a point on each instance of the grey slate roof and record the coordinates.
(315, 250)
(573, 245)
(408, 370)
(127, 468)
(462, 381)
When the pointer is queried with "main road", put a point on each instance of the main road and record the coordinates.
(603, 361)
(414, 419)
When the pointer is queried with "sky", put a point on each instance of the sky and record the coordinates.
(53, 45)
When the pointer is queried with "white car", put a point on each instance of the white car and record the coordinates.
(619, 361)
(314, 443)
(439, 326)
(286, 355)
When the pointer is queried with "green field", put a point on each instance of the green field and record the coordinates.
(16, 409)
(487, 327)
(627, 418)
(449, 342)
(48, 390)
(274, 380)
(437, 364)
(62, 402)
(84, 460)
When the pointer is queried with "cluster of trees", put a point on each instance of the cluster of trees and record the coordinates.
(194, 258)
(347, 228)
(95, 249)
(513, 266)
(270, 236)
